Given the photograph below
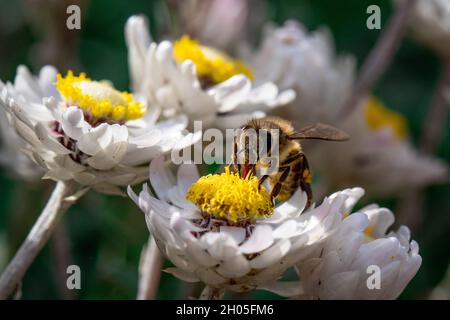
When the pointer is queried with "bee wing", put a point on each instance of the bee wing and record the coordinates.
(320, 131)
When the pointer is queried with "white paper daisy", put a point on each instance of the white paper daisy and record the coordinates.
(87, 131)
(361, 261)
(224, 231)
(199, 81)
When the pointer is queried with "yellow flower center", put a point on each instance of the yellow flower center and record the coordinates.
(379, 116)
(210, 63)
(99, 99)
(231, 197)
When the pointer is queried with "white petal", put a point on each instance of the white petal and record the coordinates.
(44, 137)
(85, 178)
(231, 92)
(237, 233)
(161, 178)
(260, 239)
(380, 220)
(47, 79)
(72, 122)
(286, 230)
(232, 121)
(339, 286)
(272, 255)
(187, 174)
(149, 139)
(89, 142)
(234, 267)
(109, 158)
(209, 276)
(220, 245)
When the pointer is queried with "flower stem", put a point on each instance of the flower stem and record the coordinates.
(380, 56)
(149, 271)
(210, 293)
(37, 237)
(436, 118)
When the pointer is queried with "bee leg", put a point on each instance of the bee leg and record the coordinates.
(305, 183)
(277, 188)
(236, 166)
(261, 181)
(306, 187)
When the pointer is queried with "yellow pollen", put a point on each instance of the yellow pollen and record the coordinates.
(368, 232)
(98, 98)
(231, 197)
(307, 177)
(379, 116)
(209, 62)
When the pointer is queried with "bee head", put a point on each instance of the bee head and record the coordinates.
(257, 146)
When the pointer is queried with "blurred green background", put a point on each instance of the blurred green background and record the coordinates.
(105, 235)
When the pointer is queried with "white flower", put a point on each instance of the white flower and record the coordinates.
(306, 62)
(220, 229)
(86, 130)
(201, 82)
(342, 267)
(430, 24)
(378, 157)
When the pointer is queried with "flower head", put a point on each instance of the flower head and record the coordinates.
(231, 236)
(186, 77)
(98, 99)
(212, 65)
(84, 130)
(340, 269)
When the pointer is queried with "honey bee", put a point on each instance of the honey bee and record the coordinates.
(292, 166)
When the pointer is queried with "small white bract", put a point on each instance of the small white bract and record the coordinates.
(222, 231)
(199, 81)
(87, 131)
